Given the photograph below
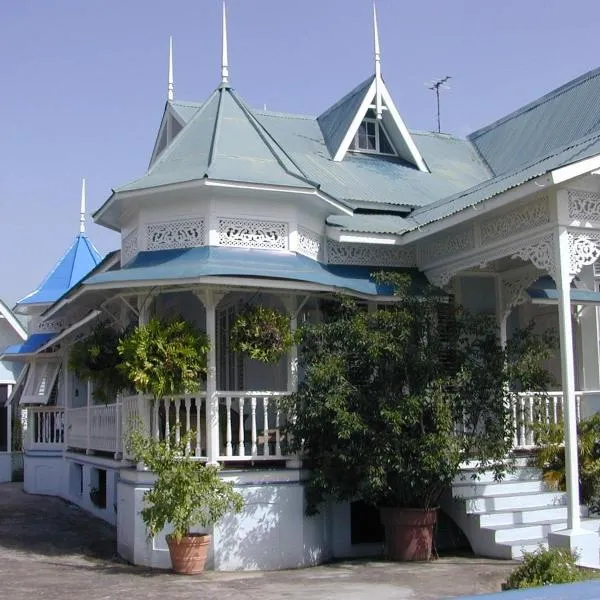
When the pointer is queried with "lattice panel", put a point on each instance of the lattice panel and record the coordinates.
(447, 246)
(584, 249)
(187, 233)
(310, 243)
(369, 255)
(247, 233)
(584, 206)
(129, 246)
(518, 220)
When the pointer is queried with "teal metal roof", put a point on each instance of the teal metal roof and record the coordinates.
(206, 261)
(185, 110)
(222, 141)
(561, 117)
(77, 262)
(336, 120)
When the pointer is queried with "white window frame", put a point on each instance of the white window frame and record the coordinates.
(378, 127)
(40, 382)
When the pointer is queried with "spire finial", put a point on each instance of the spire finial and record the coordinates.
(171, 85)
(82, 211)
(378, 107)
(224, 58)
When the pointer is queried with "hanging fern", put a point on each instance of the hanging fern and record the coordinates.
(96, 358)
(261, 333)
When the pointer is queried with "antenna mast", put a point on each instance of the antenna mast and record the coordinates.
(436, 85)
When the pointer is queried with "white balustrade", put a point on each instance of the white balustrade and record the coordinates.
(45, 425)
(259, 420)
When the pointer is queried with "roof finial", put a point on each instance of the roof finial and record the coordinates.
(378, 107)
(171, 86)
(82, 212)
(224, 59)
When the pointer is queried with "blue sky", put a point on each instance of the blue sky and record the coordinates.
(84, 84)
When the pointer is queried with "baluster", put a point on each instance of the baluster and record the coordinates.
(177, 421)
(522, 421)
(228, 445)
(156, 424)
(547, 410)
(198, 431)
(241, 449)
(266, 451)
(515, 423)
(40, 437)
(555, 408)
(188, 427)
(531, 420)
(167, 405)
(277, 434)
(578, 408)
(254, 447)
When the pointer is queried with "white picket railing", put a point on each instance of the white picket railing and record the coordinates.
(45, 427)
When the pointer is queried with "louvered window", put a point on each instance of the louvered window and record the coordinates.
(40, 382)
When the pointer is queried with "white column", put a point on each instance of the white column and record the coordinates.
(574, 537)
(88, 450)
(211, 300)
(9, 411)
(66, 397)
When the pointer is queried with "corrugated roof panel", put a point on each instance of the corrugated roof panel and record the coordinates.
(336, 120)
(186, 110)
(566, 114)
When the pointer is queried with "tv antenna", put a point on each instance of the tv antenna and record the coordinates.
(436, 85)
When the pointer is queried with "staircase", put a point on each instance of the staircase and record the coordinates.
(506, 518)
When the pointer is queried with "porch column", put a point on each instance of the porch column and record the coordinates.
(574, 537)
(9, 411)
(211, 300)
(66, 399)
(88, 450)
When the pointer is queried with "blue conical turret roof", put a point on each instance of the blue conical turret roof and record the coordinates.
(78, 261)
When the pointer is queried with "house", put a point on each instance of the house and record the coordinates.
(242, 206)
(11, 332)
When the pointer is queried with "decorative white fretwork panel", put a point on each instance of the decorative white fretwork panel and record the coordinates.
(370, 255)
(185, 233)
(443, 247)
(514, 288)
(129, 246)
(49, 326)
(249, 233)
(310, 243)
(539, 251)
(584, 249)
(584, 206)
(516, 221)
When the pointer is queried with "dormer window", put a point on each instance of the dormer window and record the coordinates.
(371, 137)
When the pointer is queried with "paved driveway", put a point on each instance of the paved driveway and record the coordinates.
(52, 550)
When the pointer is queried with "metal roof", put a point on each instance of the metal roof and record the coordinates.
(185, 110)
(209, 261)
(561, 117)
(336, 120)
(77, 262)
(30, 345)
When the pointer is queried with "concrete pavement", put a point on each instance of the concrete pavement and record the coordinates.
(52, 550)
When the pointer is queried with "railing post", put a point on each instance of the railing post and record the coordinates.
(66, 401)
(118, 428)
(88, 449)
(9, 411)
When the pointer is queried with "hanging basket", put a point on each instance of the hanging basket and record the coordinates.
(261, 333)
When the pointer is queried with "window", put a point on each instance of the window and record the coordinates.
(371, 137)
(40, 382)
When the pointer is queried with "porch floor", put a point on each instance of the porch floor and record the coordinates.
(52, 549)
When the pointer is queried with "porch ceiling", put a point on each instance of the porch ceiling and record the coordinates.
(194, 263)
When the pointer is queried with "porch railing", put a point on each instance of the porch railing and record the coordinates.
(45, 428)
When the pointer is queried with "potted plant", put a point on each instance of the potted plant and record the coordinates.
(96, 358)
(261, 333)
(377, 412)
(186, 494)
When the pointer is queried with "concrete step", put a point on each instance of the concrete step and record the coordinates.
(504, 488)
(516, 550)
(520, 473)
(519, 532)
(514, 502)
(534, 514)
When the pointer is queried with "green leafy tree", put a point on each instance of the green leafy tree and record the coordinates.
(186, 493)
(164, 357)
(394, 400)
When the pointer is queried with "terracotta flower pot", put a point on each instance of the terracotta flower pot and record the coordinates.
(408, 532)
(188, 555)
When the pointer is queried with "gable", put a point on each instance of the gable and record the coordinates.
(341, 122)
(170, 126)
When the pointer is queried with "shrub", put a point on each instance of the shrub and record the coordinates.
(551, 457)
(544, 567)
